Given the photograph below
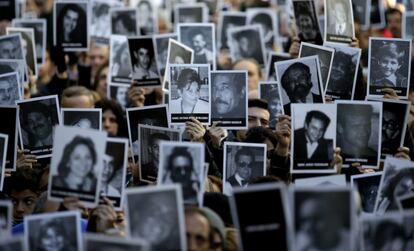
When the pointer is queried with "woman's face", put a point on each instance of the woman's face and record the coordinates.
(121, 95)
(109, 122)
(191, 92)
(102, 84)
(80, 161)
(52, 240)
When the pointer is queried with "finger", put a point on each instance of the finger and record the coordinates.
(337, 150)
(198, 123)
(404, 149)
(215, 124)
(108, 202)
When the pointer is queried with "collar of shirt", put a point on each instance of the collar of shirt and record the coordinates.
(310, 147)
(239, 179)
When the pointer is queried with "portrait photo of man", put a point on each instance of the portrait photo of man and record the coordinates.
(229, 20)
(10, 88)
(229, 98)
(312, 146)
(124, 21)
(144, 64)
(247, 42)
(300, 80)
(270, 91)
(339, 21)
(11, 47)
(358, 132)
(71, 25)
(307, 22)
(161, 45)
(267, 20)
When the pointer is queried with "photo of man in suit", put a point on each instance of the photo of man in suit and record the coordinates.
(244, 162)
(310, 143)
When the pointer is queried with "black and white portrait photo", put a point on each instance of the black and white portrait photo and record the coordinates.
(147, 17)
(313, 140)
(12, 244)
(71, 25)
(76, 164)
(177, 53)
(155, 115)
(272, 58)
(200, 38)
(327, 227)
(267, 19)
(150, 138)
(101, 19)
(86, 118)
(336, 180)
(229, 99)
(361, 11)
(190, 13)
(39, 30)
(339, 25)
(228, 20)
(120, 61)
(119, 93)
(59, 231)
(325, 55)
(264, 226)
(407, 27)
(28, 45)
(124, 21)
(189, 93)
(9, 127)
(397, 180)
(114, 170)
(95, 242)
(183, 163)
(389, 64)
(37, 117)
(156, 214)
(367, 185)
(15, 65)
(3, 155)
(358, 132)
(270, 91)
(161, 47)
(344, 70)
(10, 88)
(300, 80)
(143, 61)
(307, 21)
(242, 163)
(6, 211)
(247, 42)
(11, 47)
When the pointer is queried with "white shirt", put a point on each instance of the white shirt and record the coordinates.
(310, 147)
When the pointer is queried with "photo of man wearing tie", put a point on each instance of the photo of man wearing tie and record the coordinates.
(340, 27)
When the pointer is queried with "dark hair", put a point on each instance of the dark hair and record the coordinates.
(24, 178)
(259, 135)
(108, 104)
(98, 75)
(44, 226)
(157, 136)
(68, 150)
(319, 116)
(79, 31)
(259, 103)
(392, 50)
(101, 9)
(143, 44)
(384, 231)
(186, 76)
(127, 21)
(179, 152)
(35, 107)
(296, 66)
(262, 18)
(243, 151)
(394, 180)
(193, 210)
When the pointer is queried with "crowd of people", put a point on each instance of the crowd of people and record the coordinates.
(85, 71)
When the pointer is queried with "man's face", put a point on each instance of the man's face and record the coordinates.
(8, 50)
(39, 124)
(198, 43)
(191, 92)
(357, 130)
(315, 129)
(24, 203)
(143, 58)
(244, 166)
(181, 169)
(275, 107)
(389, 65)
(70, 20)
(258, 117)
(252, 71)
(7, 95)
(224, 96)
(154, 150)
(306, 27)
(121, 95)
(109, 122)
(339, 12)
(390, 127)
(197, 228)
(299, 85)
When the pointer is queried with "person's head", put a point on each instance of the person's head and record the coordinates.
(180, 165)
(52, 236)
(112, 162)
(8, 50)
(121, 95)
(339, 11)
(112, 117)
(8, 92)
(258, 113)
(390, 59)
(275, 105)
(77, 97)
(78, 158)
(189, 84)
(354, 125)
(297, 82)
(198, 41)
(341, 69)
(306, 25)
(154, 146)
(394, 18)
(145, 12)
(143, 57)
(316, 123)
(198, 230)
(226, 93)
(401, 183)
(100, 84)
(254, 72)
(98, 56)
(244, 163)
(390, 126)
(38, 119)
(245, 47)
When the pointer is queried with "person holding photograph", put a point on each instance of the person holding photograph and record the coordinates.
(71, 23)
(38, 125)
(76, 168)
(142, 61)
(188, 85)
(388, 60)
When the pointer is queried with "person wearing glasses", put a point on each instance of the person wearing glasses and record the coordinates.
(244, 165)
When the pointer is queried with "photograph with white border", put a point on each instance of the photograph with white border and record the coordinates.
(124, 21)
(267, 19)
(10, 128)
(95, 242)
(228, 19)
(6, 215)
(11, 88)
(338, 180)
(161, 47)
(29, 46)
(339, 21)
(120, 68)
(366, 185)
(86, 118)
(272, 58)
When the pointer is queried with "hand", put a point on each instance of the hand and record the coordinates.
(390, 93)
(354, 43)
(136, 95)
(195, 130)
(217, 134)
(283, 132)
(294, 47)
(403, 153)
(24, 159)
(72, 204)
(361, 169)
(105, 216)
(337, 160)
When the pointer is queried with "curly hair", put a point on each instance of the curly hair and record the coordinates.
(78, 33)
(186, 76)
